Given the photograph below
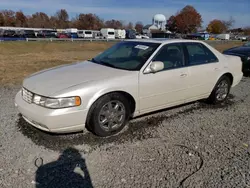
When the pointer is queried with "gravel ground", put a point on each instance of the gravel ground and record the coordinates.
(195, 145)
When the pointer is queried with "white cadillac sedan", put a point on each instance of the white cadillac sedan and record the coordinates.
(129, 79)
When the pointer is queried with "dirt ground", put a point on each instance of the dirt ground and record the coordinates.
(193, 146)
(19, 59)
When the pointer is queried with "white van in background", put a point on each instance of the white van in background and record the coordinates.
(85, 34)
(108, 33)
(120, 33)
(223, 36)
(71, 30)
(96, 34)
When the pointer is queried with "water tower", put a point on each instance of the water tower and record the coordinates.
(159, 20)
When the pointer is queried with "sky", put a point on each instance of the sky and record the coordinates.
(138, 10)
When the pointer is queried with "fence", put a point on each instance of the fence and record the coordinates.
(97, 39)
(58, 39)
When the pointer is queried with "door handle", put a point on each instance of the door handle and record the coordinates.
(216, 69)
(183, 75)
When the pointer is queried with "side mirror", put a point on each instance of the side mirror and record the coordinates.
(156, 66)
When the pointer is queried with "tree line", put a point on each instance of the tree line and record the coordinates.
(187, 20)
(60, 20)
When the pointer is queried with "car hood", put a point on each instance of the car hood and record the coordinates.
(243, 50)
(50, 81)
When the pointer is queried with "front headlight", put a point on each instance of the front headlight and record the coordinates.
(248, 58)
(57, 102)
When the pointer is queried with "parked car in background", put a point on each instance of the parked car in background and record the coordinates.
(165, 35)
(28, 34)
(138, 36)
(96, 34)
(62, 35)
(10, 34)
(72, 35)
(198, 36)
(47, 34)
(130, 34)
(120, 33)
(242, 38)
(144, 37)
(108, 33)
(244, 53)
(84, 34)
(72, 32)
(223, 36)
(131, 78)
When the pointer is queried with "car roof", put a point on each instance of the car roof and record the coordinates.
(163, 40)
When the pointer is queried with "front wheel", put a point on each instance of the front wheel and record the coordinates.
(109, 115)
(220, 91)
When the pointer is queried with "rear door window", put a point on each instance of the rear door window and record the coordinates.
(199, 54)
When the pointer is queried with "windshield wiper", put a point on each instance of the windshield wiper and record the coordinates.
(93, 60)
(107, 64)
(103, 63)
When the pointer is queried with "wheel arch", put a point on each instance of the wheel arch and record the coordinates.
(229, 75)
(131, 99)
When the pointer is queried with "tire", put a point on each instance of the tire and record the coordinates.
(216, 96)
(99, 111)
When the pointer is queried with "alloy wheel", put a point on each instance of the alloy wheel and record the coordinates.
(112, 115)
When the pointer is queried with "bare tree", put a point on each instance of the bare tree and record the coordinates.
(139, 27)
(229, 23)
(40, 20)
(247, 30)
(130, 26)
(116, 24)
(87, 21)
(21, 20)
(2, 22)
(61, 19)
(9, 17)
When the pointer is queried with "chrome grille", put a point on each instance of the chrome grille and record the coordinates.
(27, 95)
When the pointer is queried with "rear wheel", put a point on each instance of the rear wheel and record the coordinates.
(109, 115)
(220, 91)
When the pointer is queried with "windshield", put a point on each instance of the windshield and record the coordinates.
(88, 32)
(111, 33)
(247, 44)
(126, 55)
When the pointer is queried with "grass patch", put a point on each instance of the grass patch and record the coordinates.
(19, 59)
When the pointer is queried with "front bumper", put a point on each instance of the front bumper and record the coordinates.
(51, 120)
